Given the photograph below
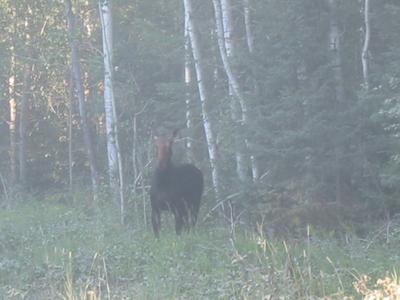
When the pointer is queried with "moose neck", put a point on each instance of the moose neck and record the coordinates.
(164, 164)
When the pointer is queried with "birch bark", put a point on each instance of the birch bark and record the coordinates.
(364, 54)
(223, 16)
(113, 149)
(70, 156)
(105, 17)
(250, 45)
(247, 22)
(12, 124)
(211, 144)
(188, 82)
(233, 82)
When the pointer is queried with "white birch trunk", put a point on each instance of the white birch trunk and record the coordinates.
(247, 23)
(365, 49)
(188, 82)
(105, 17)
(250, 45)
(227, 25)
(70, 156)
(233, 82)
(12, 124)
(212, 147)
(238, 105)
(113, 151)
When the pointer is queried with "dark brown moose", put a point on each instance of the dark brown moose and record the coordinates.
(177, 189)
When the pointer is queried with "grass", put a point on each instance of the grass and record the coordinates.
(50, 250)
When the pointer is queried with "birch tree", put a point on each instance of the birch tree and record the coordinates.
(364, 53)
(203, 95)
(77, 82)
(250, 46)
(233, 82)
(113, 150)
(224, 28)
(230, 49)
(188, 82)
(247, 22)
(70, 119)
(12, 124)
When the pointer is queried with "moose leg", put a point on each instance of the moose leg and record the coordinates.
(191, 213)
(156, 222)
(184, 213)
(178, 222)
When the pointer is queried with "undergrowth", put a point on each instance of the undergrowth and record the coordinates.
(54, 250)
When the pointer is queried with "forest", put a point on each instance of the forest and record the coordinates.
(288, 109)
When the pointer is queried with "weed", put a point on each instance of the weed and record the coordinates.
(53, 250)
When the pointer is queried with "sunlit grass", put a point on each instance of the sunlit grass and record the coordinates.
(50, 250)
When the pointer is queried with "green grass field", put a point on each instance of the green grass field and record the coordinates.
(50, 250)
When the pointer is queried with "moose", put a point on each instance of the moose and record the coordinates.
(174, 188)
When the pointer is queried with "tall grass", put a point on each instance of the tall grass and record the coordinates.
(51, 250)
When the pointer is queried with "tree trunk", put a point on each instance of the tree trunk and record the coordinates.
(113, 150)
(22, 123)
(134, 154)
(105, 16)
(227, 24)
(12, 128)
(188, 83)
(336, 62)
(70, 156)
(233, 82)
(26, 86)
(13, 102)
(77, 76)
(247, 22)
(235, 109)
(212, 147)
(364, 54)
(223, 16)
(250, 46)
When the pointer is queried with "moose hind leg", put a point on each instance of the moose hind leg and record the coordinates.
(192, 212)
(156, 222)
(179, 222)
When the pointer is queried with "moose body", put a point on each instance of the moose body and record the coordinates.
(177, 189)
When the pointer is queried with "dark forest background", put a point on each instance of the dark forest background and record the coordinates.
(314, 147)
